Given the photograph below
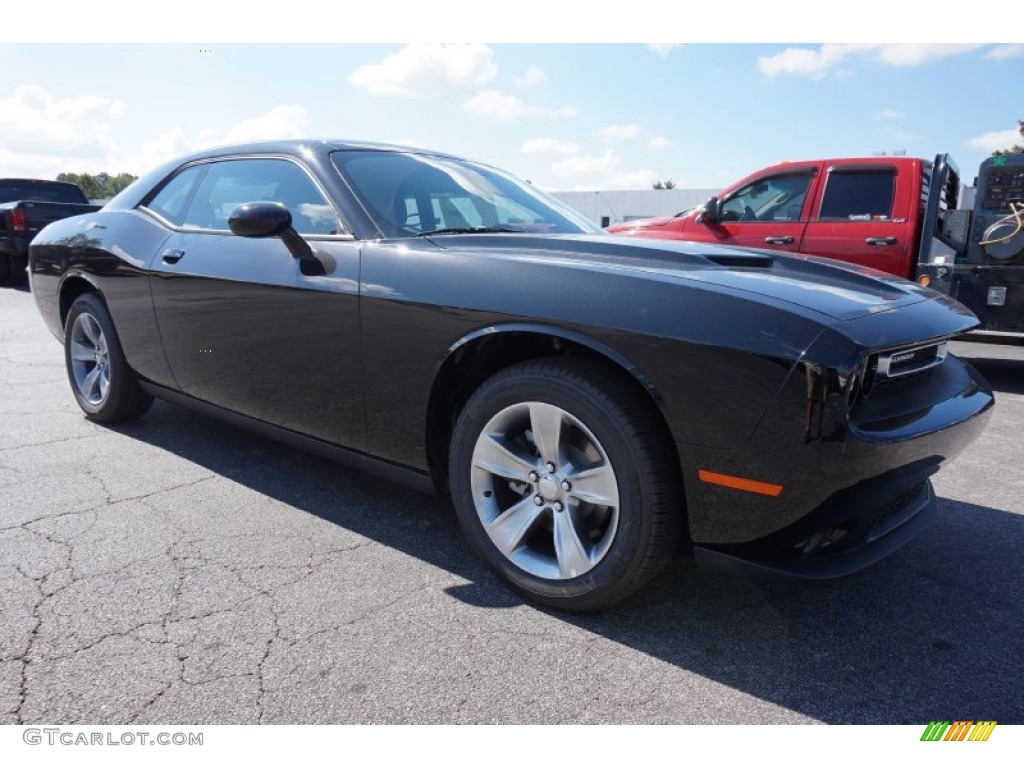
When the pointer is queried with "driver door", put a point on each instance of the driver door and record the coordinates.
(769, 212)
(242, 327)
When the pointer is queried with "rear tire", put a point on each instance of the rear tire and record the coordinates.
(106, 389)
(565, 481)
(5, 269)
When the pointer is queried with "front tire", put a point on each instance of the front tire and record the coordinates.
(565, 481)
(104, 386)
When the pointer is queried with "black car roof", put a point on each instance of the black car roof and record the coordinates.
(297, 146)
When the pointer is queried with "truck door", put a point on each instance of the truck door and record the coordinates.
(864, 218)
(768, 212)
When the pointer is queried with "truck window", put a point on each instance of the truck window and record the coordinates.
(778, 198)
(859, 195)
(44, 191)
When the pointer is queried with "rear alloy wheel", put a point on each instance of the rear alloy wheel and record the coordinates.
(103, 384)
(564, 481)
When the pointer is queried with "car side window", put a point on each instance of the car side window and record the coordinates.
(172, 198)
(231, 183)
(859, 195)
(778, 198)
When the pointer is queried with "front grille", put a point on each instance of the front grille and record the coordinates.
(903, 362)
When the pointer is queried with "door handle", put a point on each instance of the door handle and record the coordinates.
(881, 241)
(172, 256)
(778, 240)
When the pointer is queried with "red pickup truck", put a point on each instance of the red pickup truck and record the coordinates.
(895, 214)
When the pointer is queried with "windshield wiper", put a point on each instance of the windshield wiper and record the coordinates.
(464, 231)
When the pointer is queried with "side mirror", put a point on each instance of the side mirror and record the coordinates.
(260, 220)
(266, 219)
(710, 212)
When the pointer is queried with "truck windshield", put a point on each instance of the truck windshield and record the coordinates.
(46, 191)
(409, 194)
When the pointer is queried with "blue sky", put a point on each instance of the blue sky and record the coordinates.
(566, 116)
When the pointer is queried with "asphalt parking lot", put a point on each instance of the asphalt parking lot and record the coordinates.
(180, 570)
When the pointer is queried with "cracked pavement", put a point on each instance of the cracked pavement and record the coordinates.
(177, 570)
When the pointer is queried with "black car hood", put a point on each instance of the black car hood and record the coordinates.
(838, 290)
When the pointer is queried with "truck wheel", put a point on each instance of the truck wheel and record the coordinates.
(104, 386)
(5, 269)
(566, 483)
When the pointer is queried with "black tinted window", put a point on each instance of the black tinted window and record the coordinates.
(858, 195)
(230, 183)
(48, 191)
(171, 200)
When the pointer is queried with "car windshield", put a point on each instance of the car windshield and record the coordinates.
(410, 195)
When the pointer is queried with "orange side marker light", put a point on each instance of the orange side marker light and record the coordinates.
(739, 483)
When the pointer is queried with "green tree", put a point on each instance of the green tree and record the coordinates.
(669, 184)
(1016, 149)
(100, 186)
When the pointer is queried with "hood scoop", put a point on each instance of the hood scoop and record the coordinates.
(738, 260)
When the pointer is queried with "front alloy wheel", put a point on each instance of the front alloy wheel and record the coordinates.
(565, 481)
(546, 491)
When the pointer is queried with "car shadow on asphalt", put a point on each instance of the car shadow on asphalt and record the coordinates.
(933, 632)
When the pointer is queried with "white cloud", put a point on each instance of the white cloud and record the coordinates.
(619, 132)
(584, 165)
(912, 55)
(663, 49)
(817, 63)
(549, 147)
(1005, 52)
(993, 140)
(601, 172)
(170, 144)
(285, 121)
(427, 69)
(33, 122)
(658, 142)
(531, 78)
(889, 114)
(643, 179)
(495, 105)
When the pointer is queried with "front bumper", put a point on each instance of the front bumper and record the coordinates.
(853, 471)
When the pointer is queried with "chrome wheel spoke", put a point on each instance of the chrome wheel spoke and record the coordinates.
(497, 459)
(546, 427)
(572, 556)
(82, 353)
(596, 485)
(508, 530)
(92, 331)
(90, 385)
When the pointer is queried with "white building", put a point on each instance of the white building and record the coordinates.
(611, 207)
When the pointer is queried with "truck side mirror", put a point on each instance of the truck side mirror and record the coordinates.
(709, 212)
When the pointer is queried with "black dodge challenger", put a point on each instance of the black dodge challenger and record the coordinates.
(592, 404)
